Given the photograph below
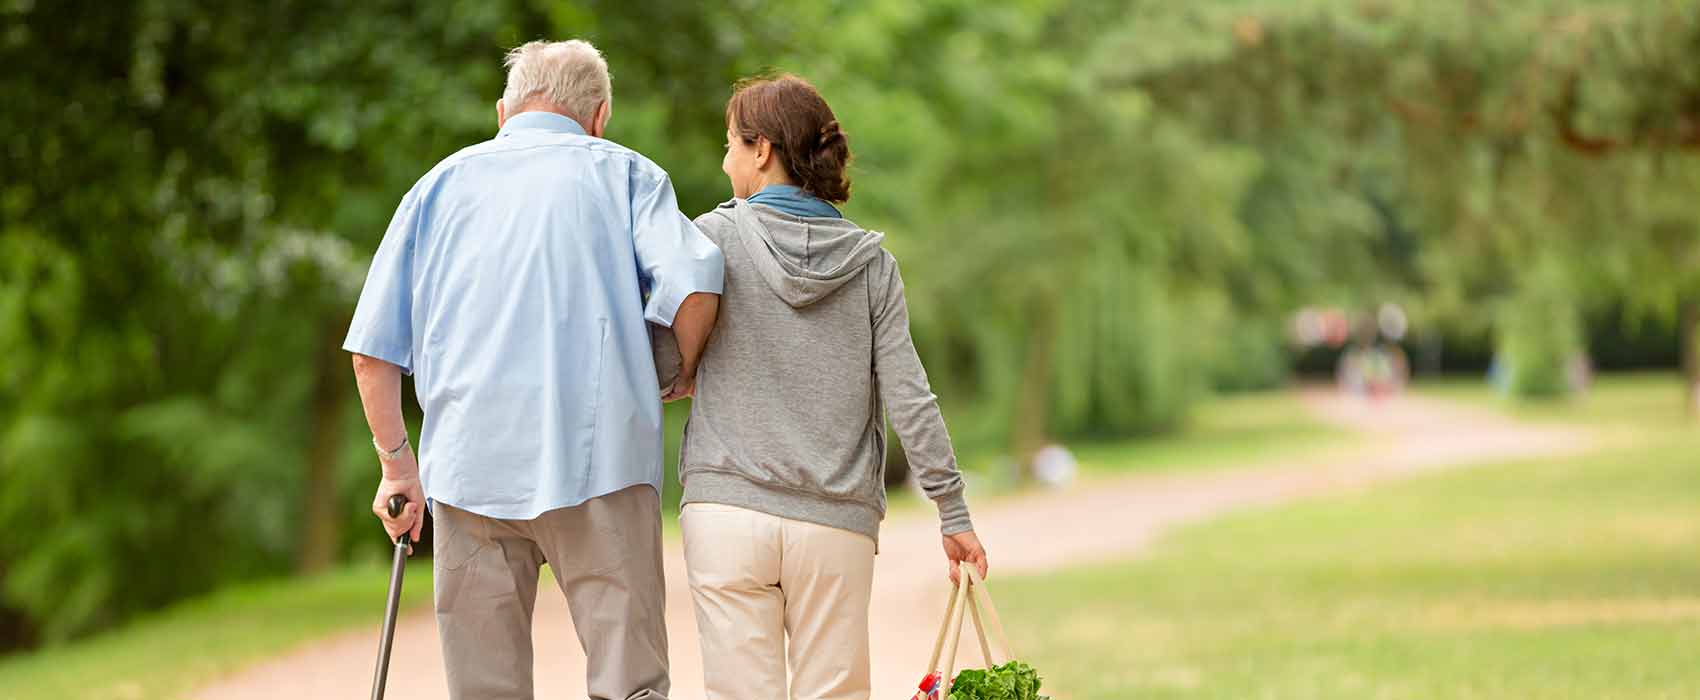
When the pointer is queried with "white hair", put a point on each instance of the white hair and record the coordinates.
(570, 75)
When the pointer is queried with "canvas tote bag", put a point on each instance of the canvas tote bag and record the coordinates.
(970, 596)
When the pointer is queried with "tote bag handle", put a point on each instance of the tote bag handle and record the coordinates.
(986, 620)
(971, 597)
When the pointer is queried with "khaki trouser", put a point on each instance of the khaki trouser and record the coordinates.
(606, 557)
(758, 578)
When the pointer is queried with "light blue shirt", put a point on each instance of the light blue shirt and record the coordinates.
(513, 284)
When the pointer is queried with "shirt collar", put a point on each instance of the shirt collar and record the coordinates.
(542, 121)
(795, 201)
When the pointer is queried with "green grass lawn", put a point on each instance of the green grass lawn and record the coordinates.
(1231, 430)
(1236, 430)
(166, 654)
(1571, 578)
(1631, 400)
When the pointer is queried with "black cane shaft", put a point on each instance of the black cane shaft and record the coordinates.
(387, 638)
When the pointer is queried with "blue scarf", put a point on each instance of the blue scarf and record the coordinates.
(794, 201)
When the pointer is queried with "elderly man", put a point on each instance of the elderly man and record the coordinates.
(514, 284)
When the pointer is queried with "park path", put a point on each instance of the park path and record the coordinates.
(1093, 520)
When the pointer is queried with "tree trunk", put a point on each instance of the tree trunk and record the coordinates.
(321, 531)
(1689, 336)
(1028, 431)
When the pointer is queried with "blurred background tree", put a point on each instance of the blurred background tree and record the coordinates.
(1104, 211)
(1540, 147)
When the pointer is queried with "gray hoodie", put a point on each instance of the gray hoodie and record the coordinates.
(811, 353)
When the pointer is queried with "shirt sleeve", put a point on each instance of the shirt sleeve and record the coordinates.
(912, 407)
(675, 260)
(383, 319)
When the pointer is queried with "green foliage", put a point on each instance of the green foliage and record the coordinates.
(1544, 145)
(1102, 230)
(1540, 340)
(1013, 680)
(1251, 355)
(1223, 432)
(182, 189)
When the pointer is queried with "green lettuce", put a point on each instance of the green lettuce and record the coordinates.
(1011, 681)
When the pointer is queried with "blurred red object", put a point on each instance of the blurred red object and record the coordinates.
(929, 687)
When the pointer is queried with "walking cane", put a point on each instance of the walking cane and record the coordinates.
(397, 503)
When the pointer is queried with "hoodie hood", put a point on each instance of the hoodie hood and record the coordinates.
(803, 259)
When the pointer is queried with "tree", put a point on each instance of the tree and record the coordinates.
(1539, 146)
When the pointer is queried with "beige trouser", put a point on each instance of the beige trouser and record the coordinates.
(758, 578)
(606, 556)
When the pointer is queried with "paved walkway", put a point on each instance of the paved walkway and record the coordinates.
(1096, 520)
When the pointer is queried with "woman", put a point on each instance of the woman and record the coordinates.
(783, 457)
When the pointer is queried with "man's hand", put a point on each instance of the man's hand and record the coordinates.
(411, 520)
(380, 396)
(964, 547)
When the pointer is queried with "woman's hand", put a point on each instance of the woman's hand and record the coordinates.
(964, 547)
(683, 385)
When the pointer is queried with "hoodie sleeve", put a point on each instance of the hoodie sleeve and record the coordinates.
(664, 347)
(910, 403)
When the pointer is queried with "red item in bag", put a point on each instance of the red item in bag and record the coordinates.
(929, 688)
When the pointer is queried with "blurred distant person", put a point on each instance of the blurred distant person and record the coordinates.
(1374, 365)
(1055, 466)
(1350, 376)
(783, 456)
(1389, 369)
(514, 284)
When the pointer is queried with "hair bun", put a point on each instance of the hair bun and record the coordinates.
(829, 134)
(788, 112)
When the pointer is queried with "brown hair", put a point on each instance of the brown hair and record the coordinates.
(806, 138)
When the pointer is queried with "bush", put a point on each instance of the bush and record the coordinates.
(1538, 337)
